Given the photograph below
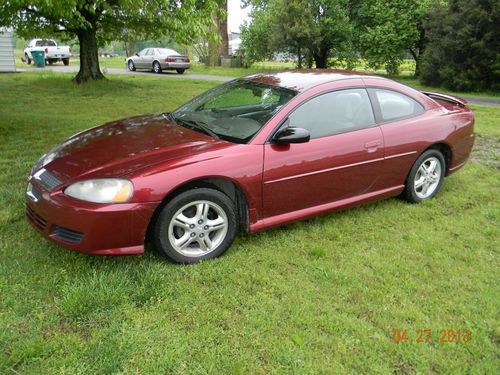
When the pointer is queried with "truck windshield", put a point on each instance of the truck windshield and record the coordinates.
(235, 111)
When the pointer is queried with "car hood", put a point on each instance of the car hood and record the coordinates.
(123, 147)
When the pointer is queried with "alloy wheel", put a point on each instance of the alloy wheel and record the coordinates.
(156, 67)
(427, 178)
(198, 228)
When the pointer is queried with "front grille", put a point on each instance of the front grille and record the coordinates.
(36, 193)
(38, 221)
(47, 179)
(67, 235)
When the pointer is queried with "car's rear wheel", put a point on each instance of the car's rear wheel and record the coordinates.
(65, 61)
(156, 67)
(28, 60)
(180, 71)
(131, 66)
(195, 225)
(425, 177)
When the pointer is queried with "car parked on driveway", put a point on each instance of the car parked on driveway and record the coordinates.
(53, 52)
(157, 60)
(254, 153)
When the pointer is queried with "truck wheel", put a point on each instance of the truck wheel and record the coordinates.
(28, 60)
(50, 62)
(65, 61)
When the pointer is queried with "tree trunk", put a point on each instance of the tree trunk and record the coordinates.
(418, 51)
(222, 26)
(416, 57)
(89, 60)
(130, 47)
(299, 58)
(321, 59)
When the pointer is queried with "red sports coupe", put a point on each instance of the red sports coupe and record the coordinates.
(256, 152)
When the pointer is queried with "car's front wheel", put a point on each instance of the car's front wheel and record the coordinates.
(131, 66)
(156, 67)
(195, 225)
(425, 177)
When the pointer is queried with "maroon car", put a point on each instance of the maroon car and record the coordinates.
(253, 153)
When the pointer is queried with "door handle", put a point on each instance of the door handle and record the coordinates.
(373, 145)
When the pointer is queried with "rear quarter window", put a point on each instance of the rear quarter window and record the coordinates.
(394, 105)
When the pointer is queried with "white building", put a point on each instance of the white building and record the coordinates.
(234, 42)
(7, 62)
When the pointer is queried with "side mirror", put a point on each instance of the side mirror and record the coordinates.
(291, 135)
(137, 54)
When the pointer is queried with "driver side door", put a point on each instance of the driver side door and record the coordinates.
(342, 159)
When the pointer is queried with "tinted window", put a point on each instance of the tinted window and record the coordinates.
(334, 112)
(143, 52)
(394, 105)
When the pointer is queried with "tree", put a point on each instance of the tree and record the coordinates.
(463, 52)
(387, 30)
(221, 20)
(317, 29)
(98, 21)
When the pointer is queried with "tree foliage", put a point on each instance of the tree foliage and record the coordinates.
(97, 21)
(315, 29)
(463, 52)
(383, 32)
(386, 30)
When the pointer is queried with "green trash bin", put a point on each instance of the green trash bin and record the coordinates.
(39, 58)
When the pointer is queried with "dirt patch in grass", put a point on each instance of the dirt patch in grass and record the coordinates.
(487, 151)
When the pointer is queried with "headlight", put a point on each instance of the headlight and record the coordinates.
(102, 190)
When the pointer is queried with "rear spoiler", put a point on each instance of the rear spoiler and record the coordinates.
(452, 99)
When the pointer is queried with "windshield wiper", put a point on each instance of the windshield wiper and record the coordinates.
(198, 125)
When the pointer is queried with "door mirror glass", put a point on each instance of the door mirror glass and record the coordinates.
(291, 135)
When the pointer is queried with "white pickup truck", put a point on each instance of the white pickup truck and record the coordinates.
(53, 52)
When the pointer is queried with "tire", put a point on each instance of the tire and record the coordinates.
(184, 230)
(156, 67)
(28, 60)
(180, 71)
(50, 62)
(65, 61)
(425, 178)
(131, 66)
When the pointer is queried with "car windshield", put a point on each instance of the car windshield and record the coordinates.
(235, 111)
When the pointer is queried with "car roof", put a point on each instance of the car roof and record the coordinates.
(301, 80)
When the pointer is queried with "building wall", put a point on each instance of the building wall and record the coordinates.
(7, 62)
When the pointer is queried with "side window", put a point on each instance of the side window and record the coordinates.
(143, 52)
(394, 105)
(335, 112)
(149, 52)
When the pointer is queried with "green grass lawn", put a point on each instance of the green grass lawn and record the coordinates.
(319, 296)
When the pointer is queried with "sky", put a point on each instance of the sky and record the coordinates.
(236, 15)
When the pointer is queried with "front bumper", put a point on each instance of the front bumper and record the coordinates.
(101, 229)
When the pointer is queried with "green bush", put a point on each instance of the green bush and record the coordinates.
(463, 52)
